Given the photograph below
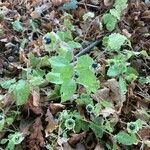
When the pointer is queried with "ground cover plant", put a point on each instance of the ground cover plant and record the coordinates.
(74, 75)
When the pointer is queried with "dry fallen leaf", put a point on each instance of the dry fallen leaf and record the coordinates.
(107, 112)
(36, 97)
(52, 123)
(56, 107)
(75, 138)
(59, 2)
(99, 147)
(108, 2)
(101, 94)
(36, 138)
(35, 15)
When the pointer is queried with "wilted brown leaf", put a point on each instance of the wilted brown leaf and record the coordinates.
(59, 2)
(108, 2)
(56, 107)
(36, 138)
(75, 138)
(52, 123)
(36, 96)
(107, 112)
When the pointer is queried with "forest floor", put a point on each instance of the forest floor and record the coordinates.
(74, 75)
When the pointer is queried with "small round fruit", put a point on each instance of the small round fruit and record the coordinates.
(94, 65)
(70, 123)
(90, 108)
(47, 40)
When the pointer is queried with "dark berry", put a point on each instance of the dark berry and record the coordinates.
(90, 108)
(47, 40)
(132, 126)
(94, 65)
(1, 118)
(76, 76)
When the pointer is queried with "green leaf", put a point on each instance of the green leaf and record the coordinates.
(17, 26)
(84, 99)
(115, 13)
(84, 61)
(4, 141)
(68, 24)
(110, 21)
(58, 61)
(21, 92)
(108, 126)
(73, 44)
(33, 60)
(120, 5)
(81, 125)
(144, 53)
(7, 83)
(134, 127)
(34, 25)
(70, 5)
(2, 121)
(115, 41)
(16, 138)
(105, 103)
(54, 41)
(88, 15)
(125, 138)
(113, 71)
(131, 70)
(144, 80)
(43, 62)
(97, 129)
(23, 43)
(131, 77)
(122, 85)
(36, 81)
(67, 90)
(88, 79)
(66, 72)
(65, 36)
(54, 78)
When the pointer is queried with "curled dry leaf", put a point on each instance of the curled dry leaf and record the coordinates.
(99, 147)
(56, 107)
(115, 95)
(95, 2)
(108, 2)
(31, 106)
(75, 138)
(36, 97)
(101, 94)
(59, 2)
(23, 58)
(35, 15)
(112, 93)
(52, 123)
(126, 33)
(36, 138)
(107, 112)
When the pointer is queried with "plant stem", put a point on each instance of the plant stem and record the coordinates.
(88, 48)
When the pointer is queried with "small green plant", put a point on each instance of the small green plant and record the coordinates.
(119, 67)
(126, 138)
(67, 73)
(111, 18)
(17, 26)
(114, 41)
(12, 140)
(133, 127)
